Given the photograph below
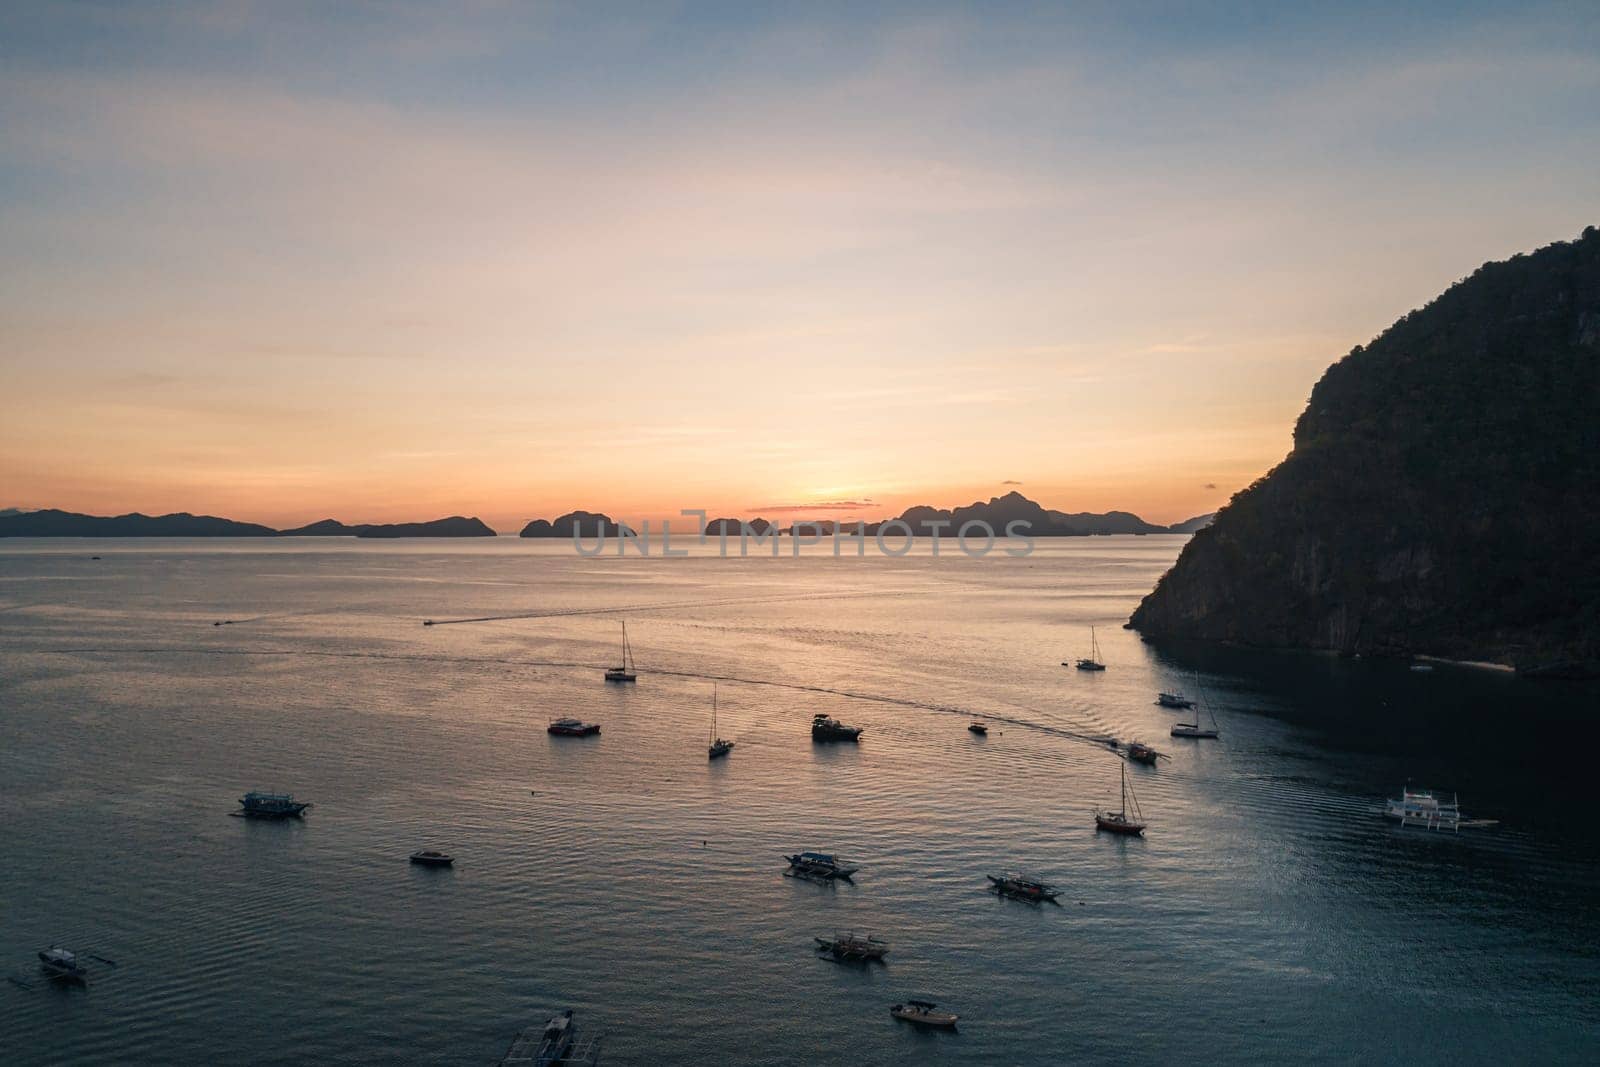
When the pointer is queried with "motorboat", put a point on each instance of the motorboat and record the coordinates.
(1031, 889)
(924, 1013)
(1128, 820)
(1092, 662)
(572, 728)
(256, 805)
(853, 947)
(819, 865)
(1174, 700)
(979, 728)
(824, 728)
(62, 964)
(430, 858)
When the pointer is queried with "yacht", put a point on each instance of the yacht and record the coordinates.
(979, 728)
(428, 857)
(271, 806)
(1127, 820)
(1092, 662)
(824, 728)
(572, 728)
(718, 746)
(924, 1013)
(624, 671)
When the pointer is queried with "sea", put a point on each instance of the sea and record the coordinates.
(1269, 914)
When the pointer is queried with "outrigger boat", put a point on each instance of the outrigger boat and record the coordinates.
(1123, 821)
(625, 671)
(572, 728)
(1174, 700)
(824, 728)
(271, 806)
(1091, 662)
(1424, 807)
(62, 965)
(924, 1013)
(851, 947)
(979, 728)
(556, 1044)
(1030, 889)
(430, 858)
(818, 865)
(1142, 753)
(718, 746)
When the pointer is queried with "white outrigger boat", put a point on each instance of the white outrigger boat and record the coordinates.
(1424, 807)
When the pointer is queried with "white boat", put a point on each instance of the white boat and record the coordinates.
(1195, 729)
(924, 1013)
(623, 672)
(1424, 807)
(1091, 662)
(718, 746)
(1126, 820)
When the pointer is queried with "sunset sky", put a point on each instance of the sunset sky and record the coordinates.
(392, 260)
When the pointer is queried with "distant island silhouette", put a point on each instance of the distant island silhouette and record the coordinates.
(1441, 495)
(922, 519)
(54, 523)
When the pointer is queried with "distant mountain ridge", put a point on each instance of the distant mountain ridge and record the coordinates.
(55, 523)
(1441, 495)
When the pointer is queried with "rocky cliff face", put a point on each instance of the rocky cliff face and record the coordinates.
(1443, 493)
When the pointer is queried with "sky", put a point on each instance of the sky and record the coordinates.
(389, 260)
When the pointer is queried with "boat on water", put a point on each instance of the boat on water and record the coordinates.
(1128, 819)
(979, 728)
(1140, 752)
(62, 964)
(1422, 668)
(1031, 889)
(718, 746)
(555, 1044)
(1197, 730)
(1174, 700)
(824, 728)
(254, 805)
(924, 1013)
(1425, 808)
(572, 728)
(624, 671)
(852, 947)
(428, 857)
(1091, 662)
(819, 865)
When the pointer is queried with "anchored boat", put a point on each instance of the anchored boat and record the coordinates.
(1030, 889)
(1174, 700)
(572, 728)
(271, 806)
(851, 947)
(818, 865)
(1091, 662)
(979, 728)
(924, 1013)
(624, 672)
(1123, 821)
(556, 1044)
(718, 746)
(62, 964)
(824, 728)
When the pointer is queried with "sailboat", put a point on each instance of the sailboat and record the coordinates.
(718, 747)
(1122, 822)
(1194, 729)
(1092, 662)
(625, 672)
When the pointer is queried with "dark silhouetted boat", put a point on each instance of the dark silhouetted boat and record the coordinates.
(271, 806)
(62, 965)
(429, 858)
(853, 948)
(572, 728)
(979, 728)
(1091, 662)
(819, 865)
(718, 746)
(556, 1044)
(1174, 700)
(624, 672)
(824, 728)
(1142, 753)
(1127, 820)
(1030, 889)
(924, 1013)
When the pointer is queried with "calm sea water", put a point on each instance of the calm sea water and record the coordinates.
(1269, 915)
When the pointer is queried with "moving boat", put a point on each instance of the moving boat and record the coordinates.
(624, 672)
(819, 865)
(1142, 753)
(62, 964)
(1122, 822)
(718, 747)
(1174, 700)
(1031, 889)
(1092, 662)
(824, 728)
(430, 858)
(1423, 807)
(979, 728)
(555, 1044)
(272, 806)
(851, 947)
(924, 1013)
(572, 728)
